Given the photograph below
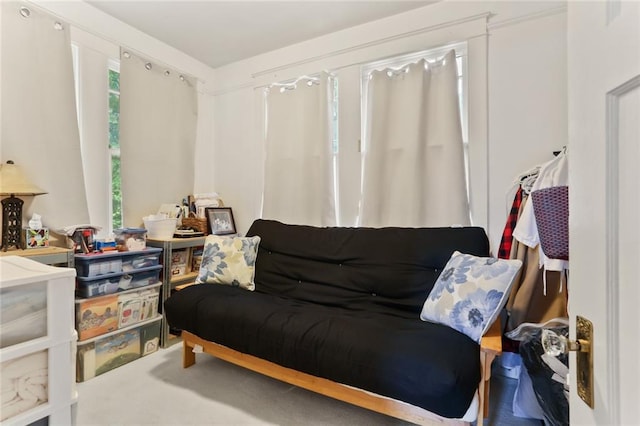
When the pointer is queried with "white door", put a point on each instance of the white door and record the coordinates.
(604, 182)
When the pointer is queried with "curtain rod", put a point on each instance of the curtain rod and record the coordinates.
(485, 15)
(111, 40)
(331, 72)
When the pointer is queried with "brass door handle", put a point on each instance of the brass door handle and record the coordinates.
(555, 344)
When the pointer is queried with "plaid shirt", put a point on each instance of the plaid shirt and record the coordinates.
(507, 235)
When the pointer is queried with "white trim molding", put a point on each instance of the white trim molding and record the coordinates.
(529, 17)
(612, 238)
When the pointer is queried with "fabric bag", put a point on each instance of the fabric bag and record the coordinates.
(548, 377)
(551, 210)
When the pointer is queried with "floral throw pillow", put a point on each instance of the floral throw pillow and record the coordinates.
(470, 292)
(229, 260)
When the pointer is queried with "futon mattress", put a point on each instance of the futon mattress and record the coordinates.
(425, 364)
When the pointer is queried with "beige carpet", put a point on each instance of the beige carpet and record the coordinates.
(156, 390)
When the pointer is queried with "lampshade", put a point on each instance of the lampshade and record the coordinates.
(14, 182)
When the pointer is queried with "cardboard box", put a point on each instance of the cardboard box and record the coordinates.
(179, 260)
(196, 259)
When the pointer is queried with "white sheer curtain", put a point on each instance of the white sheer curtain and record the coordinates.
(39, 127)
(413, 167)
(299, 167)
(93, 103)
(158, 117)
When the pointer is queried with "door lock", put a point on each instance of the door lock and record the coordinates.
(555, 344)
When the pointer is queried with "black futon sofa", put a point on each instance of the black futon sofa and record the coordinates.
(337, 311)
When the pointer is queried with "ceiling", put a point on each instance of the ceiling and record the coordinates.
(221, 32)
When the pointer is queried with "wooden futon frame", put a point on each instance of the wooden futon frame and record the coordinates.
(490, 347)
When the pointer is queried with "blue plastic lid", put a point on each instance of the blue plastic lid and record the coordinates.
(130, 231)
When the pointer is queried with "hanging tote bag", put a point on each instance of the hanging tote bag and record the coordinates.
(551, 209)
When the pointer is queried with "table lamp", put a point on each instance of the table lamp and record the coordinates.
(13, 182)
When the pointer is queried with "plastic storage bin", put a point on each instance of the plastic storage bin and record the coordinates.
(96, 316)
(111, 283)
(23, 313)
(160, 228)
(95, 264)
(142, 279)
(104, 353)
(98, 286)
(137, 306)
(36, 342)
(130, 239)
(133, 261)
(150, 337)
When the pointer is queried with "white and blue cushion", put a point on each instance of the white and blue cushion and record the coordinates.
(470, 292)
(229, 260)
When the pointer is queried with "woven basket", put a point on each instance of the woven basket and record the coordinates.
(197, 223)
(551, 209)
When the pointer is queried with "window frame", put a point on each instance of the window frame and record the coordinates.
(113, 66)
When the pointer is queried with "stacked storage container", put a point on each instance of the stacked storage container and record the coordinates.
(117, 320)
(37, 343)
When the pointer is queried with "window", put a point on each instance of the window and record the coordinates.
(430, 56)
(301, 138)
(413, 138)
(114, 145)
(347, 106)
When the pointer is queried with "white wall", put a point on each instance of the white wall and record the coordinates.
(339, 52)
(100, 35)
(524, 107)
(237, 166)
(526, 102)
(83, 16)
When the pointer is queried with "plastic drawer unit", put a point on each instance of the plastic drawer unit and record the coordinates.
(37, 342)
(96, 264)
(116, 309)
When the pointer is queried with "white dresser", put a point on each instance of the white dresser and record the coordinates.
(37, 342)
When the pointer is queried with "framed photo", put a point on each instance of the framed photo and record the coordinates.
(220, 220)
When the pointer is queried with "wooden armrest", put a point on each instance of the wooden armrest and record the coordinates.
(490, 348)
(492, 340)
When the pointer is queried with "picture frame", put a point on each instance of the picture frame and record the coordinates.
(220, 220)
